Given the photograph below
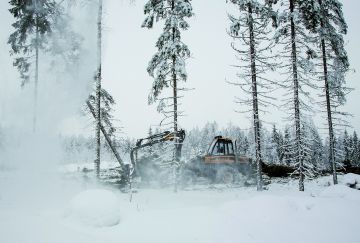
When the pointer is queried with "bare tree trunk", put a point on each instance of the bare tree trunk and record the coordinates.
(36, 67)
(98, 91)
(175, 101)
(176, 140)
(296, 99)
(259, 182)
(329, 115)
(174, 83)
(174, 79)
(328, 106)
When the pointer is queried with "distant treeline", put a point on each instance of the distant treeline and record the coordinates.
(276, 146)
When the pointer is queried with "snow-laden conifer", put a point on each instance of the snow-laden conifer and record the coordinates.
(98, 90)
(287, 147)
(250, 29)
(297, 51)
(276, 145)
(33, 25)
(317, 150)
(167, 66)
(325, 19)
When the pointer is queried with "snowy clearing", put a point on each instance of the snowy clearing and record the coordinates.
(84, 212)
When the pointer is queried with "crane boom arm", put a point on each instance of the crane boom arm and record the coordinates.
(154, 139)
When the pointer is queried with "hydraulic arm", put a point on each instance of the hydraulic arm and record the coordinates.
(154, 139)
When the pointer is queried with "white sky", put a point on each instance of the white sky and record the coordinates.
(128, 48)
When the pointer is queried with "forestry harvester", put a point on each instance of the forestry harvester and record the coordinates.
(221, 163)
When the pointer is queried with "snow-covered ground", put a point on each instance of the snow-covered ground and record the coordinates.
(39, 209)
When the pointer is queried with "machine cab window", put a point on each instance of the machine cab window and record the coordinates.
(221, 146)
(219, 149)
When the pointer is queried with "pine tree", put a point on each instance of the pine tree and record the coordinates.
(33, 26)
(297, 48)
(167, 66)
(251, 29)
(325, 18)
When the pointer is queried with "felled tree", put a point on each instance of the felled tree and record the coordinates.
(251, 28)
(167, 66)
(33, 26)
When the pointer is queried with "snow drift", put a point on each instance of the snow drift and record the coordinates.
(97, 208)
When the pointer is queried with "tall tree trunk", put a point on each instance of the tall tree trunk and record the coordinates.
(328, 106)
(98, 91)
(36, 67)
(175, 101)
(299, 160)
(255, 102)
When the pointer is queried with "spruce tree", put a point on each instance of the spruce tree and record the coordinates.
(287, 147)
(317, 149)
(167, 66)
(251, 28)
(307, 151)
(297, 44)
(357, 153)
(325, 18)
(346, 147)
(354, 149)
(33, 26)
(277, 141)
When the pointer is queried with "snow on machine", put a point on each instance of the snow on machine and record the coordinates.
(221, 163)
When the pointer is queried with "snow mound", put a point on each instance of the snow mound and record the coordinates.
(341, 191)
(351, 180)
(99, 208)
